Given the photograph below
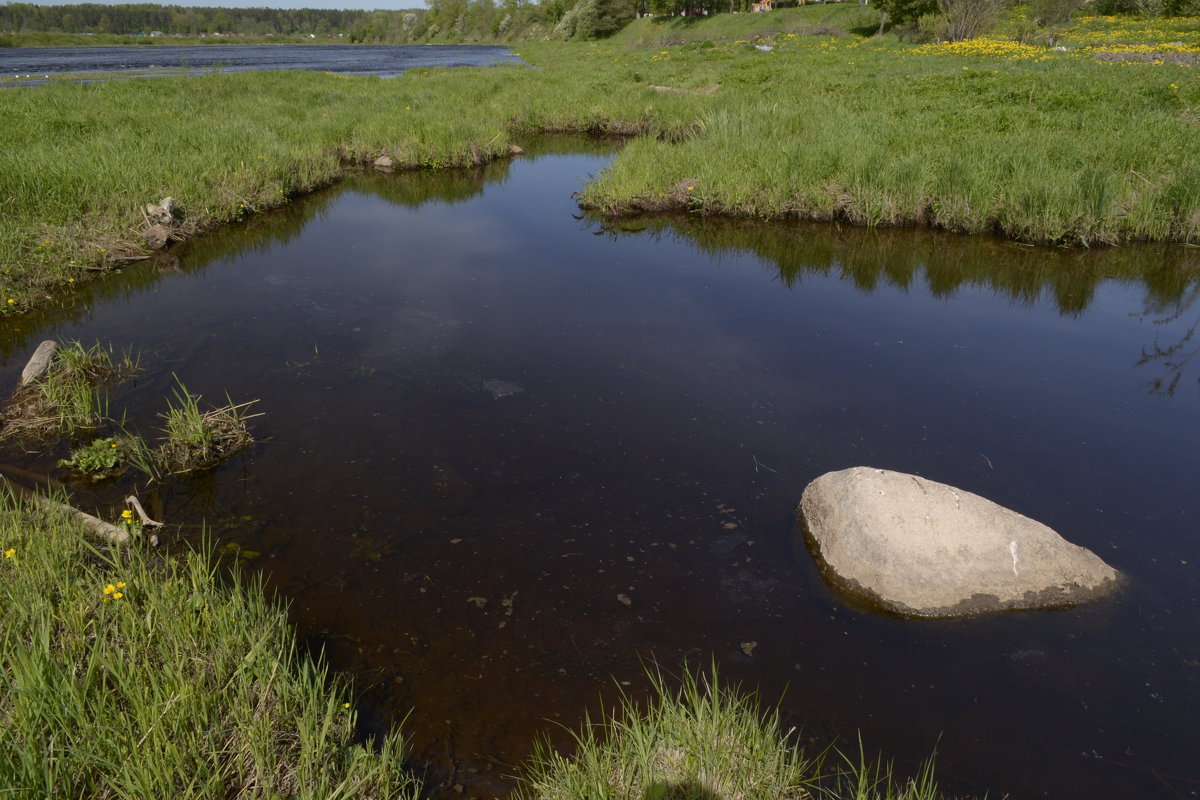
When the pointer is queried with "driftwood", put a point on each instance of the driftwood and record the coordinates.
(141, 512)
(39, 362)
(94, 525)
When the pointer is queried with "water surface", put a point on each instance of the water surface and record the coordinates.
(143, 61)
(510, 453)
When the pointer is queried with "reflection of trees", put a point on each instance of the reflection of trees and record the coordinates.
(944, 262)
(1174, 358)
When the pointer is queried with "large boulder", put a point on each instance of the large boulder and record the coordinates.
(925, 549)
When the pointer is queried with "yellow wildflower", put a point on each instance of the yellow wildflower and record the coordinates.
(10, 552)
(109, 589)
(126, 514)
(117, 595)
(120, 584)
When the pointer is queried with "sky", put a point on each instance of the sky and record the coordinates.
(392, 5)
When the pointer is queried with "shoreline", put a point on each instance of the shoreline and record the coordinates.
(802, 126)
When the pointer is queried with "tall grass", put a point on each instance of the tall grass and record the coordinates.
(126, 677)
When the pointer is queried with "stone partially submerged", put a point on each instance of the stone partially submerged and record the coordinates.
(921, 548)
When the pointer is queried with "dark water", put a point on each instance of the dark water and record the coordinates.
(509, 453)
(384, 60)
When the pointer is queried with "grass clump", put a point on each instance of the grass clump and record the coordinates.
(195, 439)
(706, 741)
(125, 677)
(701, 742)
(69, 395)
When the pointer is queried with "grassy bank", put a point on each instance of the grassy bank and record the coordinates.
(1091, 144)
(121, 676)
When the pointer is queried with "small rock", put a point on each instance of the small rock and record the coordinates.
(161, 213)
(515, 150)
(624, 599)
(157, 237)
(39, 362)
(384, 162)
(748, 647)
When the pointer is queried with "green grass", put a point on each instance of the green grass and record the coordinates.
(707, 741)
(1035, 144)
(194, 439)
(69, 396)
(124, 676)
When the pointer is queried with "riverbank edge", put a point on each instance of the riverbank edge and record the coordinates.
(97, 697)
(691, 125)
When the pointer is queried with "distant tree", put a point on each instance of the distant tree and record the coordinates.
(904, 12)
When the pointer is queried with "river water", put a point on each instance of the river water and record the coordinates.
(511, 453)
(146, 61)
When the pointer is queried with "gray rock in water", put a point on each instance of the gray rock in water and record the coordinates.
(157, 237)
(383, 163)
(921, 548)
(39, 362)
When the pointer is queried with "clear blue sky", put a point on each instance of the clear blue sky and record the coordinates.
(372, 4)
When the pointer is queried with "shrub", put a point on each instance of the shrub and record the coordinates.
(966, 19)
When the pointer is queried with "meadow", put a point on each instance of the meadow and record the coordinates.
(798, 116)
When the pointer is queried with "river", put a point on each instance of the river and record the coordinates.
(26, 65)
(511, 454)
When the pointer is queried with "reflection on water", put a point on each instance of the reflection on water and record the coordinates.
(509, 454)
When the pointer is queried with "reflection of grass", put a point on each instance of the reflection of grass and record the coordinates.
(125, 677)
(705, 742)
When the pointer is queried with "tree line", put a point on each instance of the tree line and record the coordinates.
(443, 20)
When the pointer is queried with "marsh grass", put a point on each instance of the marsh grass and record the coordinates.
(122, 675)
(195, 439)
(69, 396)
(703, 741)
(707, 741)
(1028, 142)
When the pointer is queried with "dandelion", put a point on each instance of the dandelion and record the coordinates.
(345, 705)
(10, 552)
(11, 301)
